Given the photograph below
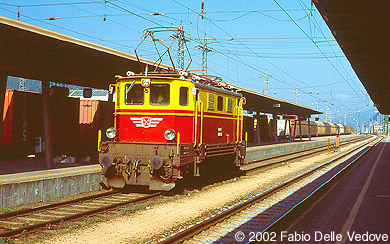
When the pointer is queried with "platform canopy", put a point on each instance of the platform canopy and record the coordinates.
(37, 53)
(266, 104)
(362, 29)
(32, 52)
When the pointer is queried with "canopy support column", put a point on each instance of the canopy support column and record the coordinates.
(46, 118)
(258, 135)
(3, 87)
(300, 129)
(275, 120)
(285, 128)
(308, 124)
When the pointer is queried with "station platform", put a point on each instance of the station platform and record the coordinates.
(356, 209)
(35, 164)
(254, 153)
(28, 181)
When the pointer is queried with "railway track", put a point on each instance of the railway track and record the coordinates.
(278, 159)
(253, 219)
(25, 220)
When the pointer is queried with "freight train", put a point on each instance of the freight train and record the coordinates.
(169, 124)
(319, 129)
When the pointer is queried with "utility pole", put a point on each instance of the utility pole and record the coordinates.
(181, 46)
(317, 103)
(326, 111)
(357, 122)
(266, 81)
(202, 8)
(296, 94)
(205, 50)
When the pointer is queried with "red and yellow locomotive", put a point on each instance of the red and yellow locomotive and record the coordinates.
(167, 125)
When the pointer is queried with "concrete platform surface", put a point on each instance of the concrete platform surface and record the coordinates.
(261, 152)
(356, 209)
(35, 164)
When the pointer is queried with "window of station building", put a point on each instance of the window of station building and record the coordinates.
(183, 96)
(211, 102)
(220, 103)
(230, 105)
(159, 94)
(134, 94)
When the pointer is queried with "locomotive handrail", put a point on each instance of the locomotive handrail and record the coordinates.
(241, 116)
(196, 123)
(178, 143)
(201, 123)
(238, 124)
(99, 139)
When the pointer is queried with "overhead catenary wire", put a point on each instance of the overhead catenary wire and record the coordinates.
(318, 27)
(244, 45)
(319, 49)
(232, 55)
(307, 93)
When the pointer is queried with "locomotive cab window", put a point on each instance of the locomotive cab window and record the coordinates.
(183, 99)
(220, 103)
(159, 94)
(134, 94)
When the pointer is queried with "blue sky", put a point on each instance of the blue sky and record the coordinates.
(284, 37)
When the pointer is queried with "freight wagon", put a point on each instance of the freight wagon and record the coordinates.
(320, 129)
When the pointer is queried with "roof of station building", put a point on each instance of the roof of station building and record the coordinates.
(259, 102)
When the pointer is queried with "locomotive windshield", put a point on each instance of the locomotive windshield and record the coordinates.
(134, 94)
(159, 94)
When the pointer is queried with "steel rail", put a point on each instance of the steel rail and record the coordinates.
(298, 153)
(14, 232)
(53, 205)
(306, 150)
(196, 229)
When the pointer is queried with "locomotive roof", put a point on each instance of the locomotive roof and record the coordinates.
(210, 87)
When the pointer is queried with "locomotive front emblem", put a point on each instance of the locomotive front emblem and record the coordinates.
(146, 122)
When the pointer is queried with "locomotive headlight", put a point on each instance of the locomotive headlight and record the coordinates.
(111, 132)
(145, 82)
(169, 134)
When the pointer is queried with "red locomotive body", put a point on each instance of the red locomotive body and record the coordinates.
(166, 127)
